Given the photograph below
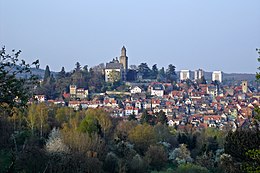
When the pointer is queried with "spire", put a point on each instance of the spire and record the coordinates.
(123, 51)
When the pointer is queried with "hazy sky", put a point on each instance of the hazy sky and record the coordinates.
(191, 34)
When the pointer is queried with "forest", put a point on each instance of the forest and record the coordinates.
(42, 137)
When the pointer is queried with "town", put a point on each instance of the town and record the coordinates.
(186, 101)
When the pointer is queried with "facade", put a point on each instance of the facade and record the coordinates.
(135, 90)
(244, 86)
(117, 68)
(73, 90)
(217, 75)
(80, 93)
(198, 74)
(113, 71)
(157, 90)
(184, 75)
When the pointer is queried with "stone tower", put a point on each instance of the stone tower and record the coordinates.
(244, 86)
(124, 59)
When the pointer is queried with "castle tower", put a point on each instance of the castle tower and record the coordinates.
(124, 59)
(244, 86)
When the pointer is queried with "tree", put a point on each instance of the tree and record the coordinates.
(32, 118)
(258, 74)
(154, 71)
(132, 117)
(16, 80)
(180, 155)
(114, 76)
(156, 157)
(171, 74)
(161, 117)
(145, 70)
(78, 66)
(142, 136)
(239, 142)
(55, 144)
(61, 74)
(146, 118)
(89, 125)
(191, 168)
(161, 75)
(47, 75)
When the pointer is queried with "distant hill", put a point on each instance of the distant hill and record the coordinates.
(38, 72)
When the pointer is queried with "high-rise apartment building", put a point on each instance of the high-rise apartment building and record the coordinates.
(198, 74)
(184, 75)
(217, 75)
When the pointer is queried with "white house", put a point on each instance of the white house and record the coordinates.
(157, 90)
(135, 90)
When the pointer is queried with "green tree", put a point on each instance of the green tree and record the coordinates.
(132, 117)
(171, 74)
(115, 76)
(156, 157)
(155, 71)
(191, 168)
(239, 142)
(89, 125)
(145, 70)
(16, 80)
(142, 136)
(161, 75)
(47, 75)
(161, 117)
(146, 118)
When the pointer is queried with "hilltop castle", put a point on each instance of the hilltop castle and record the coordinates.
(117, 70)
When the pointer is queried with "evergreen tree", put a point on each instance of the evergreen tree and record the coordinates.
(161, 75)
(154, 71)
(47, 74)
(145, 70)
(171, 74)
(61, 74)
(161, 117)
(78, 66)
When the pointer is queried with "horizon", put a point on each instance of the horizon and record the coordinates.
(190, 35)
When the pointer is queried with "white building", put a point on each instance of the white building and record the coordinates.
(113, 71)
(135, 90)
(198, 74)
(157, 90)
(184, 75)
(217, 75)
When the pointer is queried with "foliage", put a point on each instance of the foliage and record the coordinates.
(171, 75)
(254, 164)
(161, 117)
(16, 80)
(239, 142)
(142, 136)
(55, 144)
(156, 157)
(89, 125)
(180, 155)
(191, 168)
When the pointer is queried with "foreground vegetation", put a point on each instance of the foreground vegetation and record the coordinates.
(47, 138)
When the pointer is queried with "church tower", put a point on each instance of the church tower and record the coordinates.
(124, 59)
(244, 86)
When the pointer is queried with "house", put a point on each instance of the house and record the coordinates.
(40, 98)
(135, 90)
(157, 90)
(131, 110)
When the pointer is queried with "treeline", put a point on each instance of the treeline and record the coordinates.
(93, 79)
(58, 139)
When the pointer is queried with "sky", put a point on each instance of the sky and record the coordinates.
(190, 34)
